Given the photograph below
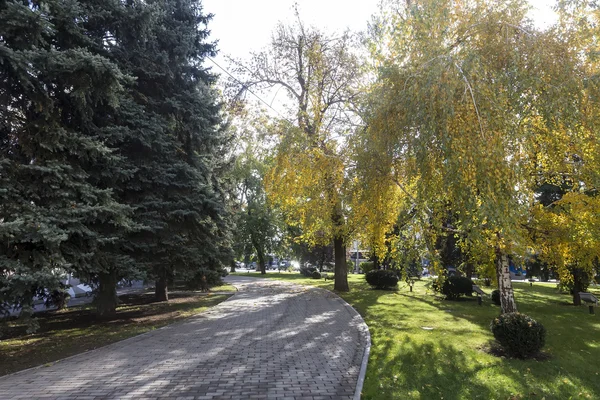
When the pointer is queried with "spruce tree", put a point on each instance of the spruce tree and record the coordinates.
(179, 147)
(57, 209)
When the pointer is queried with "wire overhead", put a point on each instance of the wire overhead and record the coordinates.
(248, 90)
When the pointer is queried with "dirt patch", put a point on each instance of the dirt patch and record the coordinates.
(495, 349)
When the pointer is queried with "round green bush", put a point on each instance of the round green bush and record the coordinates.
(519, 335)
(382, 279)
(316, 275)
(496, 297)
(366, 266)
(455, 286)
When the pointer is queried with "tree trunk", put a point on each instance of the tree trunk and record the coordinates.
(469, 270)
(578, 285)
(507, 296)
(260, 253)
(341, 269)
(106, 298)
(261, 260)
(161, 291)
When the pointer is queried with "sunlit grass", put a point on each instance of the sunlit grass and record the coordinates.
(224, 288)
(450, 361)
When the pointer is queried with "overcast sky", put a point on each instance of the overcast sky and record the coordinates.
(242, 26)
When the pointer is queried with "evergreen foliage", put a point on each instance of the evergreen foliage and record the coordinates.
(57, 213)
(178, 147)
(112, 147)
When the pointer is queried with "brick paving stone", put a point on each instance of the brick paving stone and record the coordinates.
(272, 340)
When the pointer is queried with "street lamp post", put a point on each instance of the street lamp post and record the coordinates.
(356, 258)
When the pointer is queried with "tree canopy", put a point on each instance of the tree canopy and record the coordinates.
(319, 73)
(467, 97)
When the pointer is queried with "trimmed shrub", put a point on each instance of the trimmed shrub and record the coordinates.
(496, 297)
(455, 286)
(316, 275)
(519, 335)
(382, 279)
(367, 266)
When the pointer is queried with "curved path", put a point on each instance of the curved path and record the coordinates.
(272, 340)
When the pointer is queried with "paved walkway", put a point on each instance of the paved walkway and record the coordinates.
(272, 340)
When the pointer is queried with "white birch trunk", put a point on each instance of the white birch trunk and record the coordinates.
(507, 295)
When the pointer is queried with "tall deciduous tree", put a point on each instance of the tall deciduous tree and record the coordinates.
(565, 222)
(465, 93)
(260, 227)
(319, 73)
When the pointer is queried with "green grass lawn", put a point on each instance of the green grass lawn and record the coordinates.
(450, 361)
(75, 330)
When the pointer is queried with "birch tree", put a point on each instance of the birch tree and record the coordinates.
(465, 93)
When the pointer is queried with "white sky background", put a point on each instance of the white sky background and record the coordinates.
(243, 26)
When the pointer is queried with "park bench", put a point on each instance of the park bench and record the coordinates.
(589, 299)
(480, 294)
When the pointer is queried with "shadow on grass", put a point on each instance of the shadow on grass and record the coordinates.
(434, 370)
(449, 361)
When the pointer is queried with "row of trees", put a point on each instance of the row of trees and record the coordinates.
(460, 121)
(112, 147)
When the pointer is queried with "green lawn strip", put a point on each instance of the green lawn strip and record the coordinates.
(224, 288)
(450, 361)
(76, 330)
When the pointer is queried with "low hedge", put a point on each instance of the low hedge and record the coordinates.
(455, 286)
(366, 266)
(382, 279)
